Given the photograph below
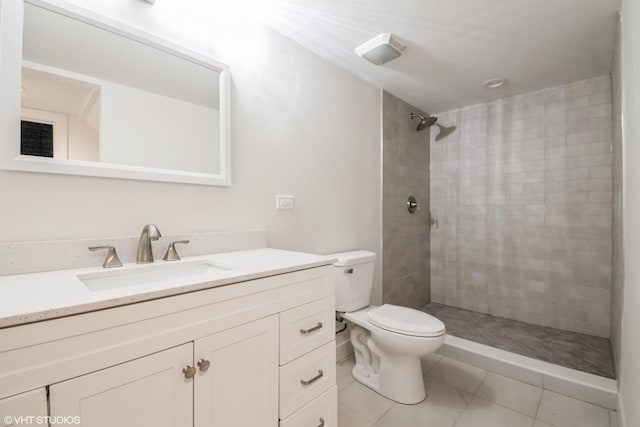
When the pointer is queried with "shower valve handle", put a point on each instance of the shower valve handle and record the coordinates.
(412, 205)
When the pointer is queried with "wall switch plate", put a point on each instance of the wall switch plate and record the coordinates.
(284, 202)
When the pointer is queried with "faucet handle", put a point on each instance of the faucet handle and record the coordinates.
(112, 259)
(172, 254)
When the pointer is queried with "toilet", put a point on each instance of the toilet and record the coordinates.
(388, 340)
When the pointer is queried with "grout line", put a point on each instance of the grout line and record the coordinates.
(355, 414)
(486, 374)
(424, 374)
(433, 367)
(393, 404)
(463, 392)
(455, 422)
(475, 394)
(484, 379)
(539, 403)
(506, 407)
(466, 405)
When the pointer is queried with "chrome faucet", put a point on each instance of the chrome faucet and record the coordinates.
(145, 253)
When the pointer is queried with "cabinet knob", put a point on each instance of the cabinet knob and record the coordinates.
(189, 371)
(203, 364)
(321, 422)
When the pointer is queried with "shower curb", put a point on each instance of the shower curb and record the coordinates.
(579, 385)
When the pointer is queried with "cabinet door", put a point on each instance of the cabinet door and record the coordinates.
(26, 409)
(148, 392)
(240, 387)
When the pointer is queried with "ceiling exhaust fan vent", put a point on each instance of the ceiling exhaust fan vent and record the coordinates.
(380, 49)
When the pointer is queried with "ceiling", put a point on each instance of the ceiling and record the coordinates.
(455, 45)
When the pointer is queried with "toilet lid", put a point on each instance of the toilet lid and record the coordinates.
(404, 320)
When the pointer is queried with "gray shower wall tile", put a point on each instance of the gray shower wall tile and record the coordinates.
(523, 193)
(406, 242)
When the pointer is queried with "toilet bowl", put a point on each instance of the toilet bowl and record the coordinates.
(388, 340)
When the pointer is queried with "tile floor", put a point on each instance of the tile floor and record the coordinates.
(462, 395)
(570, 349)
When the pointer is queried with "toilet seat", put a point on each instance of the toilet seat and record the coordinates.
(406, 321)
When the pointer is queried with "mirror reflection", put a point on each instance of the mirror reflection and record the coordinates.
(60, 117)
(93, 95)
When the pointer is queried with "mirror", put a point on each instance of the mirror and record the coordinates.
(98, 98)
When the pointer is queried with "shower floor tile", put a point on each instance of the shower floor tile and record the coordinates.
(570, 349)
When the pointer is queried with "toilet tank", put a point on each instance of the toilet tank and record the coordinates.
(353, 279)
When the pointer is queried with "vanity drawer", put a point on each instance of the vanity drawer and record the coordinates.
(305, 378)
(322, 411)
(305, 328)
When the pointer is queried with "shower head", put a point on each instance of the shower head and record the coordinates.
(425, 122)
(444, 131)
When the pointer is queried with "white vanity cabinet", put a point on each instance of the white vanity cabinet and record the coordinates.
(234, 383)
(308, 365)
(240, 386)
(205, 359)
(149, 391)
(24, 409)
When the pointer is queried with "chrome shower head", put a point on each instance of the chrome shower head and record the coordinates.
(444, 131)
(425, 122)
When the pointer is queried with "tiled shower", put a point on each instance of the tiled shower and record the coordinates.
(523, 198)
(523, 193)
(405, 236)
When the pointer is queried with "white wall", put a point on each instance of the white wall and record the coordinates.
(84, 141)
(146, 129)
(629, 374)
(300, 126)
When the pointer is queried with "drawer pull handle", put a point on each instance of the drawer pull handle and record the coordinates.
(314, 379)
(348, 271)
(321, 422)
(308, 331)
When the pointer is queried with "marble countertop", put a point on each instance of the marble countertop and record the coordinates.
(34, 297)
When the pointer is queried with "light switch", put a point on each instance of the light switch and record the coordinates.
(284, 202)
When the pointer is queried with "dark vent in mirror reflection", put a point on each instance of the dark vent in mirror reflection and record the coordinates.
(36, 139)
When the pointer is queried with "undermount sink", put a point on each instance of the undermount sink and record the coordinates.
(184, 272)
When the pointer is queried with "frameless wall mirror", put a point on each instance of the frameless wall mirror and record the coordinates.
(99, 98)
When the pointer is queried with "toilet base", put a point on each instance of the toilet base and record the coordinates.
(370, 379)
(415, 395)
(396, 377)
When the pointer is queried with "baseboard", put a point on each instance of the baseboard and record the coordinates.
(343, 349)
